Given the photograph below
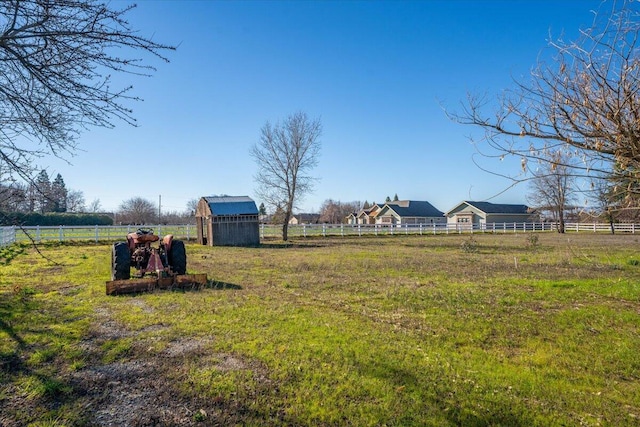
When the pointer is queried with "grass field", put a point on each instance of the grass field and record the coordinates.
(482, 330)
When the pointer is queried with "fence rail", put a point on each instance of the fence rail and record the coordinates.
(187, 232)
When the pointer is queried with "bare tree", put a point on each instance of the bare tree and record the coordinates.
(75, 201)
(336, 212)
(584, 101)
(137, 210)
(95, 206)
(553, 187)
(285, 155)
(56, 61)
(192, 206)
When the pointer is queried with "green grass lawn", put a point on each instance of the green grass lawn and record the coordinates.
(481, 330)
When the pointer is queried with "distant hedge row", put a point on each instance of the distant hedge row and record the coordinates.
(54, 218)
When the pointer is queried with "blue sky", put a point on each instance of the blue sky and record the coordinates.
(377, 74)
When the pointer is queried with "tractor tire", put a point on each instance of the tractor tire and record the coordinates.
(178, 257)
(120, 262)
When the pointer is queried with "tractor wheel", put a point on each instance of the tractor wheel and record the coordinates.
(178, 257)
(120, 262)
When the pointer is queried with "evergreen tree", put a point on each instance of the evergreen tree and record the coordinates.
(388, 199)
(395, 198)
(58, 195)
(43, 188)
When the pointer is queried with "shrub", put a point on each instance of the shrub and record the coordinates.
(470, 245)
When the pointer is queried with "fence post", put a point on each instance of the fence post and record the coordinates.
(324, 230)
(96, 234)
(342, 230)
(60, 234)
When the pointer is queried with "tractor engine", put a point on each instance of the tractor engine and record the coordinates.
(141, 251)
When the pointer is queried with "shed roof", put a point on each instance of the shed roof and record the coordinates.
(230, 205)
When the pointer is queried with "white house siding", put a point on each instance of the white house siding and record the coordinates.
(461, 216)
(423, 220)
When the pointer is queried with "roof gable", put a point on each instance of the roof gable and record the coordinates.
(230, 205)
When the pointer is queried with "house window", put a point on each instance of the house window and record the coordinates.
(465, 219)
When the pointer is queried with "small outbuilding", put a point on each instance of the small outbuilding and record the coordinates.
(227, 221)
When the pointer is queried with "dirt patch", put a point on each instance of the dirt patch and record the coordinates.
(184, 347)
(141, 390)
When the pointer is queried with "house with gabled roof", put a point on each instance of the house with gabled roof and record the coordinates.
(227, 221)
(409, 212)
(470, 213)
(364, 216)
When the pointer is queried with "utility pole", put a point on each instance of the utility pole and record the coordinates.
(159, 208)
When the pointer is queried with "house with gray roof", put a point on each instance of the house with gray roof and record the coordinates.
(227, 221)
(409, 212)
(469, 213)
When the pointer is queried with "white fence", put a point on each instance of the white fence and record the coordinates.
(187, 232)
(309, 230)
(91, 233)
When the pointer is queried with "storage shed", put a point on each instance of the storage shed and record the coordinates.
(227, 221)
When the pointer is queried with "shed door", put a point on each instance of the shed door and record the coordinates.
(204, 228)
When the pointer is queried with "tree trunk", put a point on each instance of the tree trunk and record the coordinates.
(285, 225)
(561, 224)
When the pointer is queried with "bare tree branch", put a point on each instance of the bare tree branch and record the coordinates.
(285, 155)
(56, 62)
(584, 101)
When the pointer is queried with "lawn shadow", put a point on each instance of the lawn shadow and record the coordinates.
(214, 284)
(291, 245)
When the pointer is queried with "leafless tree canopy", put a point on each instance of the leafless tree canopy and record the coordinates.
(285, 155)
(336, 212)
(584, 101)
(553, 187)
(137, 210)
(56, 59)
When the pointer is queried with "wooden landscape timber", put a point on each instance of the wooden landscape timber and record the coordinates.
(182, 281)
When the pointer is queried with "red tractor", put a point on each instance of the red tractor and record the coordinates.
(169, 259)
(167, 263)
